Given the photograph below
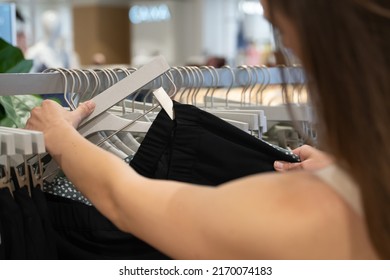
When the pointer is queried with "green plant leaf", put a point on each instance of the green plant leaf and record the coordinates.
(7, 122)
(14, 110)
(11, 115)
(10, 56)
(21, 67)
(23, 104)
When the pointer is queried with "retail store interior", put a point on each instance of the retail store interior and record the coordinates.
(128, 32)
(133, 58)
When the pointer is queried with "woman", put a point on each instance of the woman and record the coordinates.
(336, 208)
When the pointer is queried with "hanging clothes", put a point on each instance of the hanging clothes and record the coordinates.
(50, 248)
(200, 148)
(25, 230)
(81, 232)
(61, 186)
(84, 233)
(196, 147)
(12, 235)
(2, 249)
(34, 235)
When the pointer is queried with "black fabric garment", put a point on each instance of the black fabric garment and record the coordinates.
(83, 233)
(2, 249)
(12, 227)
(200, 148)
(34, 235)
(39, 199)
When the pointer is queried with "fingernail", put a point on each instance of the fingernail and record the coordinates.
(90, 104)
(278, 165)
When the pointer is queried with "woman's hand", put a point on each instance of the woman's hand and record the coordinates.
(311, 159)
(51, 115)
(56, 123)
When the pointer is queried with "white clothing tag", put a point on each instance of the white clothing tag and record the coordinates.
(165, 101)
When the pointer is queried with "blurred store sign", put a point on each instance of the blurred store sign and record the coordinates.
(8, 22)
(251, 8)
(151, 13)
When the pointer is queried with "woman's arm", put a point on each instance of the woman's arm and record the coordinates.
(267, 216)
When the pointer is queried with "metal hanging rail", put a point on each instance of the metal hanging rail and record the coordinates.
(54, 82)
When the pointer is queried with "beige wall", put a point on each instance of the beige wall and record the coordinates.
(103, 29)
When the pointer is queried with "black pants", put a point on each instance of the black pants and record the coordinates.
(83, 233)
(198, 147)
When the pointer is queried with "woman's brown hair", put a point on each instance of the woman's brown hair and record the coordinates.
(345, 50)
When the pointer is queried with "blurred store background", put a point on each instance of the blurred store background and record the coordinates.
(84, 33)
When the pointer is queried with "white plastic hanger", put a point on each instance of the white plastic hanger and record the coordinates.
(24, 147)
(126, 86)
(117, 142)
(7, 143)
(241, 125)
(251, 119)
(105, 144)
(101, 120)
(109, 122)
(244, 116)
(114, 144)
(7, 150)
(23, 140)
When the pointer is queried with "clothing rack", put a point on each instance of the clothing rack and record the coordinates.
(19, 149)
(54, 83)
(118, 83)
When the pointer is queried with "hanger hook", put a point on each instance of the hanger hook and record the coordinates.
(189, 82)
(255, 81)
(197, 83)
(192, 86)
(68, 96)
(233, 81)
(80, 94)
(215, 86)
(109, 77)
(300, 80)
(260, 78)
(170, 77)
(96, 83)
(65, 78)
(285, 98)
(154, 86)
(72, 91)
(126, 73)
(75, 95)
(211, 84)
(114, 74)
(265, 82)
(181, 81)
(200, 84)
(246, 85)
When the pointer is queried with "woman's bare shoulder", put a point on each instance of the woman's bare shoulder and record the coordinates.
(290, 215)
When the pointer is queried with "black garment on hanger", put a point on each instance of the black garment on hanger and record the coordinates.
(2, 249)
(34, 234)
(39, 199)
(12, 237)
(84, 233)
(200, 148)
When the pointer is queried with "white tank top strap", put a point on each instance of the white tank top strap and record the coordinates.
(343, 184)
